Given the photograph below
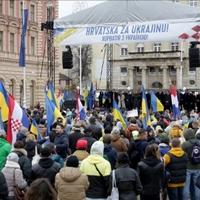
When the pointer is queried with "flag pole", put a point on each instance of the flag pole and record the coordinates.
(24, 68)
(80, 63)
(181, 66)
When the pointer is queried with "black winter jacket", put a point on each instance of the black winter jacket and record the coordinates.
(46, 168)
(24, 163)
(151, 173)
(3, 187)
(128, 183)
(73, 138)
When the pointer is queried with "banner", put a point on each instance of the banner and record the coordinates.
(132, 32)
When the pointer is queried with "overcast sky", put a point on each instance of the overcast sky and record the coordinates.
(68, 7)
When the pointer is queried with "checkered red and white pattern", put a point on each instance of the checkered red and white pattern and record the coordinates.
(15, 125)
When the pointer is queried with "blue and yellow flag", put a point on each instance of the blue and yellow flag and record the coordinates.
(51, 95)
(118, 115)
(145, 111)
(4, 109)
(34, 128)
(156, 105)
(52, 112)
(91, 97)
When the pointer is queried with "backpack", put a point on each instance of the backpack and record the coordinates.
(194, 155)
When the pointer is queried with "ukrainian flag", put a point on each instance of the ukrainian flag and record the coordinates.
(118, 115)
(52, 112)
(85, 94)
(156, 105)
(4, 109)
(52, 96)
(145, 111)
(34, 128)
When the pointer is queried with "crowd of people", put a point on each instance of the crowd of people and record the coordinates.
(80, 159)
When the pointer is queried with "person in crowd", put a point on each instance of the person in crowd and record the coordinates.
(176, 164)
(141, 143)
(5, 148)
(75, 136)
(98, 171)
(151, 173)
(61, 140)
(193, 169)
(89, 138)
(3, 187)
(81, 150)
(109, 153)
(23, 161)
(46, 168)
(176, 130)
(70, 183)
(117, 142)
(13, 174)
(41, 189)
(127, 179)
(133, 126)
(164, 144)
(21, 135)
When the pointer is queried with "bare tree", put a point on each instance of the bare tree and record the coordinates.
(86, 53)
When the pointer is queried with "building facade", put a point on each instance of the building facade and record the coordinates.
(11, 74)
(155, 65)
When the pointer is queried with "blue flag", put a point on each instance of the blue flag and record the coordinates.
(91, 97)
(22, 62)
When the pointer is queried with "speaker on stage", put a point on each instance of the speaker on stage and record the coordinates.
(67, 58)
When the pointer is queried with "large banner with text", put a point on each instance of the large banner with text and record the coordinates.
(131, 32)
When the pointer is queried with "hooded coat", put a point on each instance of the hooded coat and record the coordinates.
(99, 183)
(151, 173)
(71, 184)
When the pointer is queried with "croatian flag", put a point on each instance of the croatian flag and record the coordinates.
(175, 104)
(16, 119)
(80, 110)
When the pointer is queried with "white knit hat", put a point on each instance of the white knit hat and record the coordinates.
(13, 157)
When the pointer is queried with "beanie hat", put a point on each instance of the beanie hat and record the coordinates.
(72, 161)
(97, 148)
(13, 157)
(82, 144)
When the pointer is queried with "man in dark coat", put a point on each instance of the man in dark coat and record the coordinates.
(46, 168)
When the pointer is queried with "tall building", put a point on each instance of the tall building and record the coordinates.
(155, 65)
(11, 74)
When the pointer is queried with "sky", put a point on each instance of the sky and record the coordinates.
(69, 7)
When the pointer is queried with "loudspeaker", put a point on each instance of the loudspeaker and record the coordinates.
(194, 57)
(67, 58)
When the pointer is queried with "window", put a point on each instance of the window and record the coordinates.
(1, 40)
(174, 46)
(12, 42)
(138, 70)
(32, 13)
(21, 9)
(12, 8)
(193, 3)
(11, 87)
(152, 69)
(123, 83)
(1, 7)
(157, 85)
(192, 82)
(157, 47)
(32, 94)
(139, 82)
(160, 70)
(123, 70)
(140, 47)
(175, 1)
(172, 69)
(124, 51)
(32, 46)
